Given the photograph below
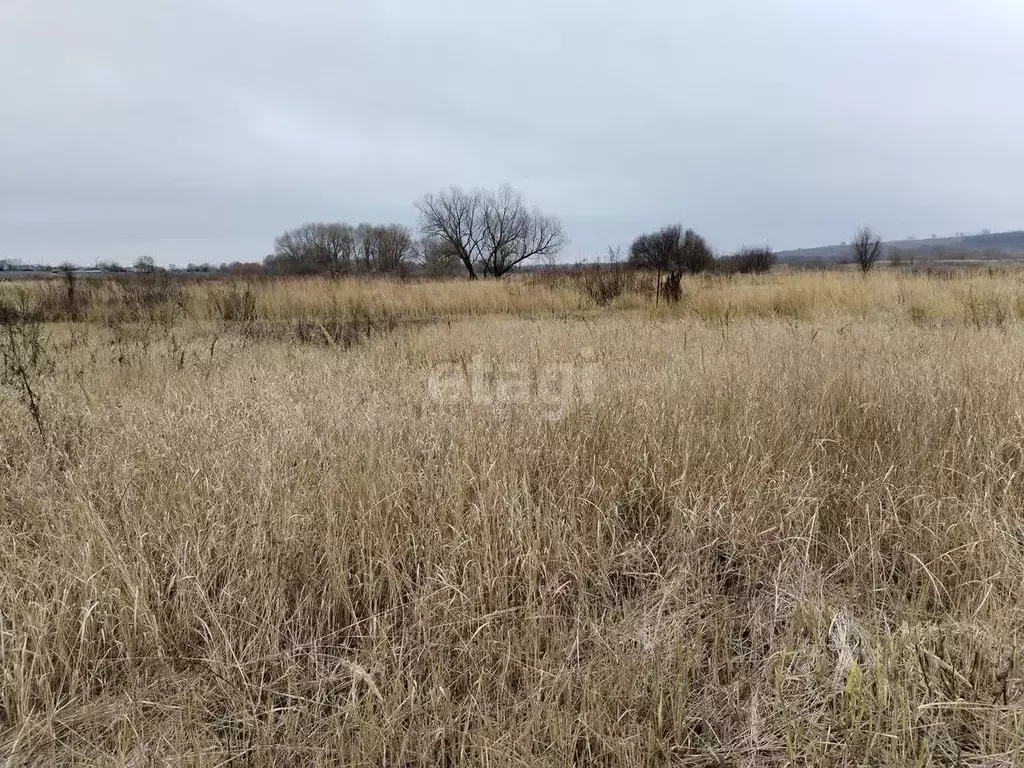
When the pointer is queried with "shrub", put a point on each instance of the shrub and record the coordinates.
(153, 297)
(24, 361)
(236, 304)
(749, 261)
(603, 283)
(867, 249)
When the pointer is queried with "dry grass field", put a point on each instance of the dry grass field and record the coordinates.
(310, 523)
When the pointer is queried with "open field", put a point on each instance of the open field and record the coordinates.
(311, 522)
(945, 297)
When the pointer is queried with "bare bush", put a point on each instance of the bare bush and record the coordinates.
(236, 304)
(867, 249)
(603, 283)
(71, 290)
(24, 360)
(157, 297)
(343, 329)
(748, 261)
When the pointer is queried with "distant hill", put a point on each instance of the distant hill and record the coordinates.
(987, 245)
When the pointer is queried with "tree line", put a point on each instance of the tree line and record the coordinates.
(482, 233)
(486, 233)
(338, 249)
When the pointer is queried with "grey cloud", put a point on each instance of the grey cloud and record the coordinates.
(131, 128)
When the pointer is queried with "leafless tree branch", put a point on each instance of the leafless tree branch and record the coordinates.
(867, 249)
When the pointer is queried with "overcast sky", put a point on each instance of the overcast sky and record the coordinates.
(200, 129)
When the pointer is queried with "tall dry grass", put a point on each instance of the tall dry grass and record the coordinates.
(971, 297)
(739, 537)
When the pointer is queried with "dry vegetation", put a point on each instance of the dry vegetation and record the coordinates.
(778, 523)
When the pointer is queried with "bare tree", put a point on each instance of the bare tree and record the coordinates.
(314, 248)
(515, 234)
(656, 250)
(867, 249)
(145, 264)
(673, 251)
(395, 250)
(453, 217)
(384, 248)
(750, 261)
(694, 253)
(491, 233)
(437, 258)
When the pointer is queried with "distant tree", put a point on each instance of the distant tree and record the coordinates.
(657, 250)
(70, 273)
(366, 246)
(144, 264)
(491, 232)
(395, 249)
(751, 261)
(694, 254)
(244, 269)
(384, 249)
(314, 248)
(867, 249)
(109, 266)
(341, 248)
(514, 235)
(437, 258)
(674, 251)
(453, 218)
